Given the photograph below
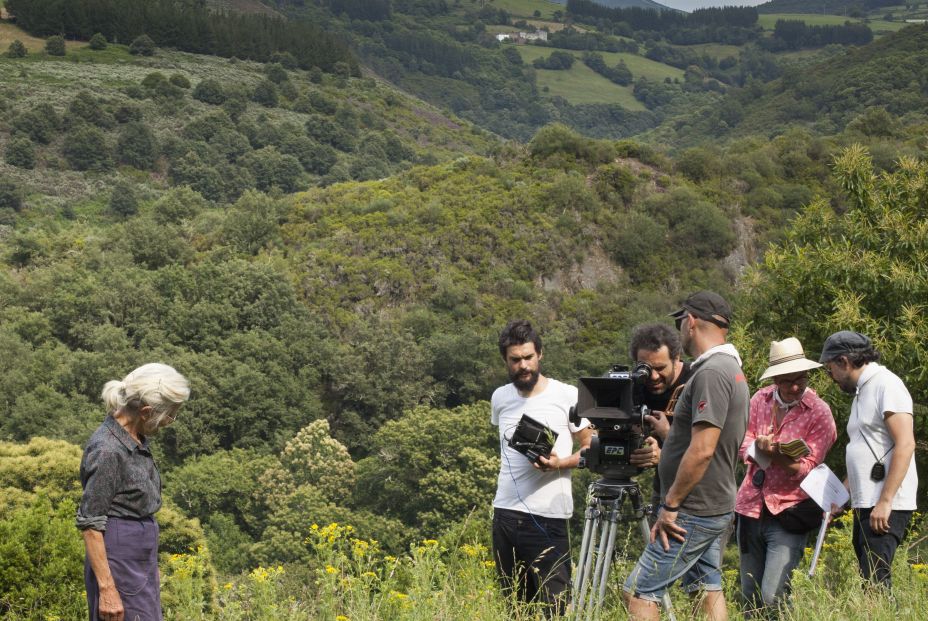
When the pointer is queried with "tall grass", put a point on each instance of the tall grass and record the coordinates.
(351, 579)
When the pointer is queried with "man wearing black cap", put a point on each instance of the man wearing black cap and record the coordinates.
(697, 467)
(880, 455)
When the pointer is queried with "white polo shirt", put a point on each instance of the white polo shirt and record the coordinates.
(521, 486)
(879, 390)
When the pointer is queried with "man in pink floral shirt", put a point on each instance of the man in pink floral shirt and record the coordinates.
(785, 411)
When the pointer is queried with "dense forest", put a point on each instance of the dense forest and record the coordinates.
(326, 228)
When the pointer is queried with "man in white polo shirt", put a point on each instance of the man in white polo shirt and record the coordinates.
(880, 455)
(534, 498)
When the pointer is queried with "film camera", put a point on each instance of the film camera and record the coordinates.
(614, 406)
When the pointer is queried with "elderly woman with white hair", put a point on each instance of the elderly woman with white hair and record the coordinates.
(122, 491)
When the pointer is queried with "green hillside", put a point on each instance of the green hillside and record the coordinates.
(327, 246)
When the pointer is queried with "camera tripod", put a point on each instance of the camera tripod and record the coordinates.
(604, 512)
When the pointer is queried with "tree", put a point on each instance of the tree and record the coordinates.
(20, 153)
(16, 49)
(98, 42)
(265, 93)
(440, 480)
(54, 46)
(85, 148)
(209, 91)
(860, 270)
(123, 200)
(136, 146)
(142, 46)
(10, 195)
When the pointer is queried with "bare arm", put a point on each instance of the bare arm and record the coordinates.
(901, 427)
(694, 463)
(110, 603)
(690, 472)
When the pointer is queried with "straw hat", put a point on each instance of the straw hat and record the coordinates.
(787, 357)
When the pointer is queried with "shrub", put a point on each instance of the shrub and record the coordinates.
(126, 113)
(54, 46)
(210, 91)
(123, 200)
(35, 124)
(276, 73)
(11, 197)
(156, 86)
(136, 146)
(273, 169)
(142, 46)
(20, 153)
(16, 49)
(86, 107)
(98, 42)
(85, 148)
(179, 80)
(286, 59)
(265, 93)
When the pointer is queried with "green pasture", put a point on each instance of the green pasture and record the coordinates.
(527, 8)
(769, 20)
(639, 65)
(582, 85)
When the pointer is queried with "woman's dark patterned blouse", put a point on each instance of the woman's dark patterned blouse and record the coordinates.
(119, 478)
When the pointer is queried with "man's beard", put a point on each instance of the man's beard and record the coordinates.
(523, 383)
(849, 388)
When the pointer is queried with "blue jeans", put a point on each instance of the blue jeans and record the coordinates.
(697, 560)
(768, 556)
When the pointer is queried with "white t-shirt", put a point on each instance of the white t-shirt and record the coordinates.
(879, 390)
(521, 486)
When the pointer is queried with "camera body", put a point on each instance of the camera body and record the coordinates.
(614, 406)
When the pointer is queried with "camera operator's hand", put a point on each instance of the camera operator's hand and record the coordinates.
(552, 462)
(666, 526)
(646, 456)
(660, 424)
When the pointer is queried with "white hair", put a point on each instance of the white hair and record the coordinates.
(157, 385)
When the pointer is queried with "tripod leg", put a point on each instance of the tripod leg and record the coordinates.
(585, 560)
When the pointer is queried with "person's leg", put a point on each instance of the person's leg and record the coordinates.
(703, 581)
(504, 553)
(875, 551)
(784, 551)
(711, 604)
(658, 568)
(753, 553)
(544, 549)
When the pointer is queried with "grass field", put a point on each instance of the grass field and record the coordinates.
(527, 8)
(581, 84)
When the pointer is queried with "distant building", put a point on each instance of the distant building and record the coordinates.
(522, 37)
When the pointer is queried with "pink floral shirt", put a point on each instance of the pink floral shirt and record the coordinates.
(810, 420)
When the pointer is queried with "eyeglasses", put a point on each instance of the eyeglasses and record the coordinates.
(758, 479)
(788, 382)
(679, 321)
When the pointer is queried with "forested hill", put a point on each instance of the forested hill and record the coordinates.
(889, 75)
(832, 7)
(629, 4)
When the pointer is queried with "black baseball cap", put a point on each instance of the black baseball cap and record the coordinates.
(843, 343)
(706, 305)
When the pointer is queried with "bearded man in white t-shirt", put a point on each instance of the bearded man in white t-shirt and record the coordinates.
(533, 498)
(880, 455)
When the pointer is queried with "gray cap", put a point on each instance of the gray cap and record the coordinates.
(708, 306)
(843, 343)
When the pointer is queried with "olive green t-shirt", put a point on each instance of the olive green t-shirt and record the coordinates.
(717, 393)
